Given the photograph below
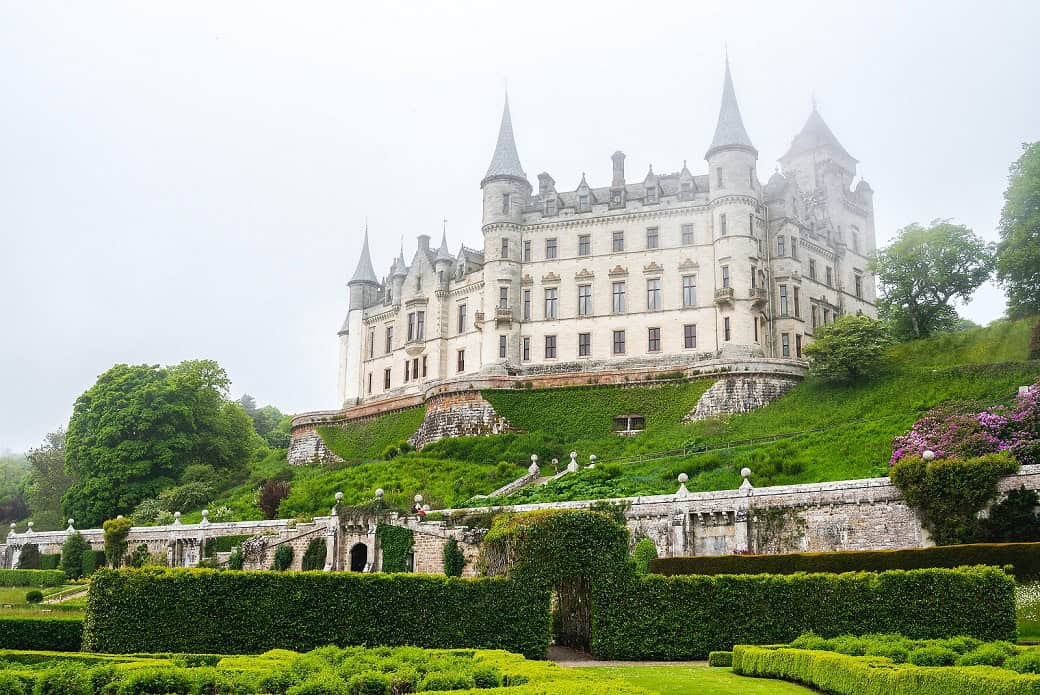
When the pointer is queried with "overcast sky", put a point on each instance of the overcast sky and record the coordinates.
(188, 179)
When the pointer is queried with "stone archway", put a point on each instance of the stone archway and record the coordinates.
(358, 557)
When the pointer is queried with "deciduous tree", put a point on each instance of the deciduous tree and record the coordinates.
(48, 481)
(850, 348)
(1018, 253)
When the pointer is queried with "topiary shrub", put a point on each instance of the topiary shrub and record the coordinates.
(321, 683)
(991, 654)
(73, 550)
(34, 596)
(487, 677)
(454, 559)
(642, 554)
(932, 656)
(283, 557)
(314, 555)
(116, 533)
(447, 680)
(165, 680)
(720, 659)
(369, 683)
(236, 559)
(140, 556)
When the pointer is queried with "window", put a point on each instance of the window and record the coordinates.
(411, 328)
(584, 245)
(551, 300)
(460, 361)
(794, 247)
(420, 325)
(855, 239)
(725, 276)
(751, 223)
(725, 328)
(389, 294)
(584, 344)
(785, 344)
(505, 248)
(783, 300)
(371, 343)
(689, 334)
(615, 197)
(686, 191)
(651, 194)
(584, 300)
(619, 342)
(505, 203)
(550, 206)
(501, 347)
(583, 202)
(858, 280)
(424, 365)
(718, 176)
(780, 246)
(389, 338)
(525, 349)
(689, 290)
(550, 347)
(503, 297)
(618, 293)
(815, 314)
(830, 277)
(370, 382)
(652, 238)
(751, 176)
(653, 294)
(755, 323)
(798, 345)
(527, 305)
(812, 268)
(407, 371)
(754, 273)
(687, 235)
(826, 316)
(629, 423)
(653, 343)
(797, 304)
(618, 241)
(722, 224)
(415, 368)
(550, 248)
(462, 318)
(527, 251)
(386, 379)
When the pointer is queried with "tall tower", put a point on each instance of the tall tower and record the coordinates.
(364, 292)
(506, 191)
(733, 193)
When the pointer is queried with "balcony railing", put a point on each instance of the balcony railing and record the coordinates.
(723, 295)
(757, 295)
(503, 315)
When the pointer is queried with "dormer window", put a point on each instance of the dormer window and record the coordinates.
(615, 197)
(651, 194)
(550, 207)
(686, 192)
(583, 202)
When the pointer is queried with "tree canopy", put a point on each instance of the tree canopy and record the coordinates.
(924, 270)
(134, 432)
(850, 348)
(48, 482)
(1018, 253)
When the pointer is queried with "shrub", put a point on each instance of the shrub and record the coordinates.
(720, 659)
(29, 557)
(37, 578)
(51, 634)
(283, 557)
(50, 561)
(447, 680)
(369, 683)
(73, 551)
(932, 656)
(851, 348)
(63, 679)
(92, 559)
(991, 654)
(157, 681)
(487, 677)
(396, 544)
(324, 683)
(236, 559)
(314, 555)
(391, 452)
(1026, 662)
(140, 556)
(187, 497)
(34, 596)
(10, 684)
(642, 554)
(271, 495)
(890, 650)
(454, 559)
(116, 533)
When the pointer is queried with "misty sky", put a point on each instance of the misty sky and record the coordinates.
(188, 179)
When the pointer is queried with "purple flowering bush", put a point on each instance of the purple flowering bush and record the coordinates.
(962, 430)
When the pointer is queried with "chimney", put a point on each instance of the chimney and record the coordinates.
(424, 242)
(619, 169)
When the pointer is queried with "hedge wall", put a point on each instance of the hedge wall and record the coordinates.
(1024, 557)
(687, 617)
(50, 561)
(51, 634)
(199, 610)
(38, 578)
(857, 675)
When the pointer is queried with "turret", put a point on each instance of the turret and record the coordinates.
(814, 146)
(505, 185)
(364, 292)
(443, 261)
(731, 157)
(364, 287)
(397, 275)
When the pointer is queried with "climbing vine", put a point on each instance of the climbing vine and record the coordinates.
(314, 555)
(777, 530)
(454, 559)
(396, 543)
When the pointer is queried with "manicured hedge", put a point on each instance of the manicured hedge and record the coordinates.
(839, 674)
(199, 610)
(1024, 557)
(50, 561)
(659, 617)
(37, 578)
(52, 634)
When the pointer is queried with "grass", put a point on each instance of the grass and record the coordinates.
(697, 680)
(1027, 602)
(12, 601)
(367, 440)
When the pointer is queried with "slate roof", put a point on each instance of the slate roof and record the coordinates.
(814, 135)
(505, 161)
(364, 271)
(730, 131)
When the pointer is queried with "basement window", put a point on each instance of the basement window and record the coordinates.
(629, 424)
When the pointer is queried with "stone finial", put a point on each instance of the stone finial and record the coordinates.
(379, 493)
(682, 491)
(592, 461)
(745, 473)
(928, 455)
(205, 517)
(426, 508)
(71, 527)
(418, 499)
(572, 467)
(176, 518)
(533, 469)
(28, 527)
(119, 516)
(339, 497)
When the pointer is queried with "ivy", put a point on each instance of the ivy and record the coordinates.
(314, 555)
(454, 559)
(283, 557)
(396, 544)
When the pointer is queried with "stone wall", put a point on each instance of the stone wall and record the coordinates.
(461, 414)
(307, 446)
(740, 394)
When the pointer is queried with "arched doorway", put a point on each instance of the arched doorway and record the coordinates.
(358, 557)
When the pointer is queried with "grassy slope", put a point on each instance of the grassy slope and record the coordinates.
(367, 440)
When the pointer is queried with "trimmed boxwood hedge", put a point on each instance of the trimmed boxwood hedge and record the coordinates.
(37, 578)
(200, 610)
(659, 617)
(1023, 557)
(51, 634)
(858, 675)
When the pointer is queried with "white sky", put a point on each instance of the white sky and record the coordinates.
(188, 179)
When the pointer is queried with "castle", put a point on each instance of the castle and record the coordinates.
(670, 270)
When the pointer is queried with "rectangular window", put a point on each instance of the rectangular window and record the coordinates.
(686, 191)
(501, 347)
(550, 207)
(527, 251)
(527, 305)
(550, 248)
(525, 349)
(505, 203)
(785, 344)
(689, 290)
(653, 340)
(460, 361)
(718, 176)
(619, 342)
(751, 176)
(783, 300)
(584, 344)
(551, 301)
(812, 269)
(689, 334)
(725, 328)
(855, 239)
(653, 294)
(618, 239)
(754, 274)
(420, 325)
(505, 248)
(407, 371)
(798, 345)
(751, 223)
(725, 276)
(415, 368)
(370, 382)
(687, 235)
(858, 280)
(462, 318)
(780, 246)
(371, 343)
(815, 314)
(754, 322)
(797, 304)
(550, 347)
(651, 194)
(389, 339)
(424, 365)
(794, 247)
(618, 293)
(583, 202)
(722, 224)
(584, 300)
(386, 379)
(652, 238)
(411, 328)
(584, 245)
(418, 284)
(830, 277)
(826, 316)
(503, 297)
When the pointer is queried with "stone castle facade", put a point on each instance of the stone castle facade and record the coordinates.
(668, 270)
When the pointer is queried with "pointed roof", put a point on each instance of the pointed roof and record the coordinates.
(364, 271)
(443, 254)
(730, 131)
(814, 135)
(399, 267)
(505, 161)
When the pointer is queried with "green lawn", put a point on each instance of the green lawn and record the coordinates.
(12, 601)
(698, 680)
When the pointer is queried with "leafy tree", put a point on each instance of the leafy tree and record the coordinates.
(850, 348)
(14, 473)
(1018, 252)
(270, 497)
(136, 430)
(283, 556)
(248, 404)
(48, 481)
(924, 270)
(314, 555)
(29, 558)
(116, 532)
(72, 552)
(184, 498)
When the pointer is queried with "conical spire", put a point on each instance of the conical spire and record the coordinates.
(814, 135)
(400, 267)
(364, 271)
(730, 130)
(505, 161)
(443, 254)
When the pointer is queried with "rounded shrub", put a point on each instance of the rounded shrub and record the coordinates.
(932, 656)
(454, 559)
(63, 679)
(1026, 662)
(369, 683)
(34, 596)
(321, 683)
(283, 557)
(11, 684)
(236, 559)
(961, 644)
(164, 680)
(447, 680)
(390, 453)
(278, 680)
(991, 654)
(810, 640)
(890, 650)
(487, 677)
(642, 554)
(849, 645)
